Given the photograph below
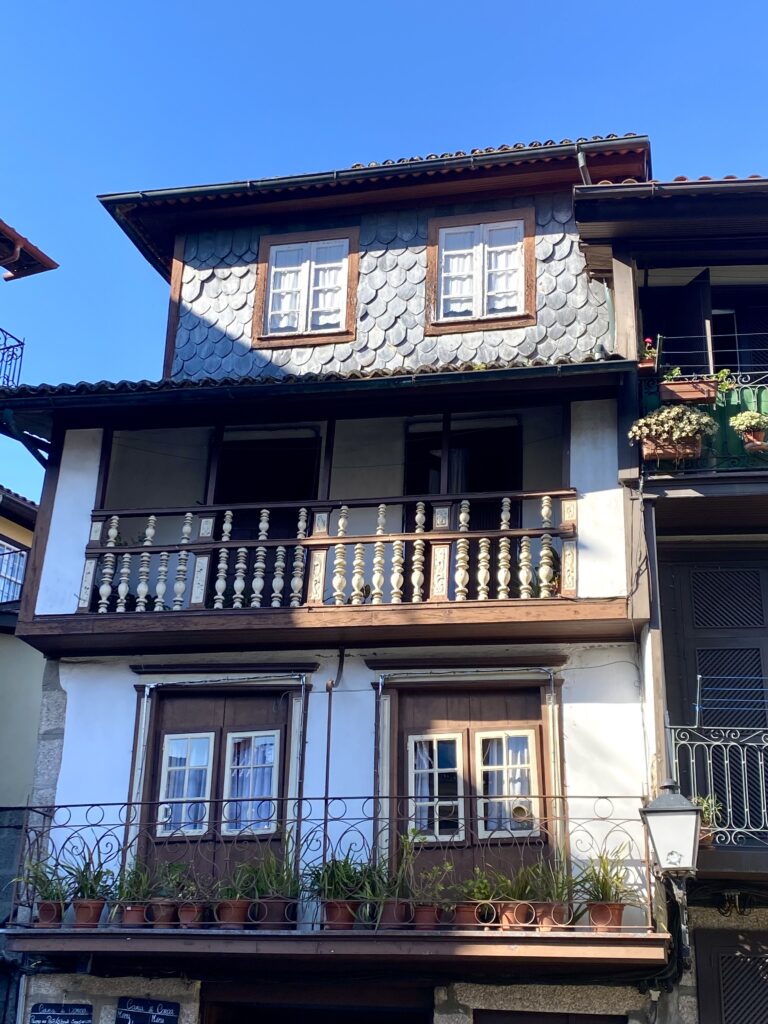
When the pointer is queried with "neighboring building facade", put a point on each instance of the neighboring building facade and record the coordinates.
(365, 585)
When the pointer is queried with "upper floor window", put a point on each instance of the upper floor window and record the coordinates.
(481, 271)
(306, 288)
(13, 562)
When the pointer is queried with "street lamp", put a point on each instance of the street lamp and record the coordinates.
(673, 824)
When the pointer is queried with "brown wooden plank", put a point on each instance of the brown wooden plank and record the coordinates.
(174, 305)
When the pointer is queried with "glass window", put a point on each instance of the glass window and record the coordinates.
(250, 783)
(185, 784)
(436, 786)
(13, 562)
(307, 287)
(506, 781)
(481, 270)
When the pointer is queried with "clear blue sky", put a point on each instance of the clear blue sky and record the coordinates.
(104, 97)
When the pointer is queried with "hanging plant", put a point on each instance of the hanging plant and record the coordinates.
(672, 432)
(751, 426)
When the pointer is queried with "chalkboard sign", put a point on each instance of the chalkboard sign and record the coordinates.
(61, 1013)
(146, 1011)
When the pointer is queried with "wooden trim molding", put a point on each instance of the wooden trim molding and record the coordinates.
(37, 551)
(174, 306)
(263, 340)
(527, 318)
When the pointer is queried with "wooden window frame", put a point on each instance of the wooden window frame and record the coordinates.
(459, 738)
(435, 325)
(162, 831)
(530, 732)
(226, 798)
(261, 338)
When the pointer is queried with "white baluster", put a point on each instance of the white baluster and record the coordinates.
(180, 583)
(220, 586)
(358, 575)
(109, 562)
(123, 585)
(297, 577)
(260, 562)
(278, 581)
(241, 565)
(397, 579)
(483, 569)
(186, 527)
(145, 559)
(461, 576)
(504, 574)
(417, 565)
(340, 559)
(377, 577)
(546, 557)
(161, 585)
(525, 568)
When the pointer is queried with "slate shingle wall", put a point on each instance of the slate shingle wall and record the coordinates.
(219, 284)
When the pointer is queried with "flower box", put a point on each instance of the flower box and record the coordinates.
(671, 451)
(702, 392)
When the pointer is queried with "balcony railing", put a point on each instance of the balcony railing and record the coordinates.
(362, 864)
(11, 355)
(13, 564)
(384, 551)
(744, 355)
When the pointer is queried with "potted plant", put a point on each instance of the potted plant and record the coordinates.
(193, 897)
(647, 361)
(711, 817)
(46, 887)
(164, 902)
(395, 909)
(751, 426)
(698, 389)
(604, 888)
(235, 896)
(474, 900)
(340, 885)
(551, 888)
(514, 894)
(132, 892)
(430, 893)
(672, 432)
(90, 886)
(278, 887)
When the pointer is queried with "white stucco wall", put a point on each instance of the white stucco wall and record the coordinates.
(21, 677)
(70, 523)
(602, 568)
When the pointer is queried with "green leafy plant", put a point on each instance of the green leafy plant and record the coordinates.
(432, 886)
(711, 810)
(87, 877)
(672, 373)
(744, 421)
(604, 879)
(515, 888)
(168, 880)
(134, 885)
(650, 351)
(672, 424)
(550, 881)
(340, 878)
(44, 880)
(479, 887)
(241, 884)
(277, 877)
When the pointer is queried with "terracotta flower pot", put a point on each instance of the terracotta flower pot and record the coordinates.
(753, 436)
(667, 450)
(706, 836)
(471, 915)
(340, 915)
(646, 366)
(696, 391)
(425, 916)
(514, 914)
(277, 913)
(87, 912)
(606, 917)
(395, 914)
(191, 914)
(164, 913)
(548, 916)
(49, 914)
(233, 914)
(135, 915)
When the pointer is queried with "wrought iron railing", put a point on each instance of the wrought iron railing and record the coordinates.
(13, 563)
(357, 863)
(11, 355)
(402, 550)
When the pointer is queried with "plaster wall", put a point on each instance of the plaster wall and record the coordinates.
(12, 531)
(70, 526)
(21, 678)
(602, 567)
(103, 993)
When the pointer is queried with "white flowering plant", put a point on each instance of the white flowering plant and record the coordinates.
(673, 424)
(749, 420)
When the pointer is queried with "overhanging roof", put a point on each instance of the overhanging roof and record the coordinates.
(19, 256)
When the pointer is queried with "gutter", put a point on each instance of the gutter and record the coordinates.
(652, 189)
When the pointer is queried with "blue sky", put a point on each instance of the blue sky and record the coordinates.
(102, 97)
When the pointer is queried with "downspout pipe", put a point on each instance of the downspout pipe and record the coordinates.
(330, 686)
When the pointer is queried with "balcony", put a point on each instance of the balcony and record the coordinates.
(357, 877)
(11, 355)
(13, 563)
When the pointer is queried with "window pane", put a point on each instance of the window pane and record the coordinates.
(331, 252)
(502, 303)
(264, 750)
(283, 322)
(199, 751)
(457, 263)
(493, 751)
(518, 752)
(506, 236)
(452, 240)
(446, 754)
(423, 754)
(287, 255)
(174, 786)
(196, 782)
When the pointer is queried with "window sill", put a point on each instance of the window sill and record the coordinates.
(303, 340)
(501, 323)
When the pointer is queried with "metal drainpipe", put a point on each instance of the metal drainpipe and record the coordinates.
(376, 759)
(330, 686)
(302, 765)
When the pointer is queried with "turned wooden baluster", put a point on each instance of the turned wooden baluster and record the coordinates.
(377, 576)
(417, 565)
(180, 583)
(525, 568)
(108, 564)
(297, 577)
(124, 584)
(278, 577)
(259, 565)
(503, 573)
(221, 570)
(546, 555)
(484, 569)
(142, 587)
(358, 575)
(340, 559)
(397, 578)
(238, 587)
(461, 576)
(162, 582)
